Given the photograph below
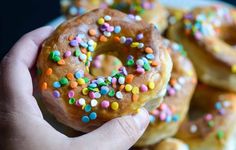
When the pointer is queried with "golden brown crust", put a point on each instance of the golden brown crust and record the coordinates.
(176, 101)
(211, 121)
(207, 34)
(67, 107)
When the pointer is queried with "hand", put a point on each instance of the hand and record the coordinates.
(22, 126)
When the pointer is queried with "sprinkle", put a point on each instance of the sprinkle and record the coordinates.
(134, 44)
(93, 116)
(119, 95)
(122, 40)
(83, 57)
(121, 87)
(208, 117)
(71, 101)
(220, 134)
(150, 56)
(85, 91)
(148, 50)
(74, 43)
(143, 88)
(147, 67)
(79, 74)
(135, 90)
(211, 123)
(56, 84)
(117, 29)
(193, 128)
(67, 54)
(107, 18)
(105, 104)
(111, 93)
(129, 78)
(49, 71)
(101, 21)
(61, 62)
(140, 70)
(91, 94)
(162, 116)
(107, 34)
(135, 97)
(128, 41)
(114, 106)
(70, 76)
(81, 81)
(154, 63)
(121, 80)
(92, 32)
(94, 102)
(176, 118)
(110, 29)
(139, 36)
(71, 94)
(85, 119)
(233, 68)
(87, 108)
(128, 87)
(130, 62)
(64, 81)
(44, 86)
(140, 62)
(56, 94)
(103, 38)
(97, 95)
(218, 105)
(151, 85)
(77, 52)
(81, 102)
(104, 90)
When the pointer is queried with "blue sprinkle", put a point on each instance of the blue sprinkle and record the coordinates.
(79, 74)
(104, 90)
(144, 60)
(150, 56)
(107, 18)
(168, 119)
(93, 85)
(91, 48)
(140, 45)
(57, 53)
(81, 10)
(87, 108)
(74, 43)
(117, 29)
(81, 36)
(175, 118)
(85, 119)
(56, 84)
(100, 80)
(93, 116)
(83, 44)
(218, 106)
(152, 118)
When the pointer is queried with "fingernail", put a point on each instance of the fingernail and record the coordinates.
(141, 119)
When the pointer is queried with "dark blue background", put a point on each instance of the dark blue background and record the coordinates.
(21, 16)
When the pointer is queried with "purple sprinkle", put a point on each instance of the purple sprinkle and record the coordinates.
(74, 43)
(130, 57)
(110, 28)
(78, 39)
(140, 70)
(56, 94)
(103, 28)
(67, 54)
(139, 36)
(221, 111)
(113, 80)
(71, 94)
(189, 16)
(171, 91)
(128, 41)
(131, 16)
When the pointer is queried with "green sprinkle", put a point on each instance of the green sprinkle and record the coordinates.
(211, 124)
(86, 80)
(71, 101)
(56, 58)
(64, 81)
(77, 52)
(220, 134)
(52, 55)
(147, 67)
(130, 62)
(103, 84)
(111, 93)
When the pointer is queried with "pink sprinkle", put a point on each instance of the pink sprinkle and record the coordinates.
(110, 29)
(91, 94)
(78, 39)
(140, 70)
(113, 80)
(143, 88)
(71, 94)
(67, 54)
(156, 112)
(163, 106)
(171, 91)
(198, 35)
(106, 25)
(77, 103)
(162, 116)
(105, 104)
(208, 117)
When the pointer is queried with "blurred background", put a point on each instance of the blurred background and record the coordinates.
(19, 17)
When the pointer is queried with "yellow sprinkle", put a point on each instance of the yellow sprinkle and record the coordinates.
(134, 44)
(83, 106)
(138, 110)
(114, 106)
(88, 55)
(151, 85)
(135, 90)
(101, 21)
(190, 73)
(81, 81)
(95, 45)
(128, 87)
(85, 91)
(233, 68)
(87, 68)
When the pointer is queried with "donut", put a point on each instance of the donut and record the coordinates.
(83, 101)
(171, 144)
(208, 35)
(166, 119)
(149, 10)
(210, 124)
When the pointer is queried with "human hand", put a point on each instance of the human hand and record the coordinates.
(21, 122)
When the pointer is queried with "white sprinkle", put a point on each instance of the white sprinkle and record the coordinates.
(121, 80)
(181, 80)
(119, 95)
(97, 95)
(82, 101)
(122, 39)
(107, 18)
(94, 102)
(193, 128)
(107, 34)
(138, 18)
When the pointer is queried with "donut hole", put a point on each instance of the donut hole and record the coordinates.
(228, 35)
(105, 65)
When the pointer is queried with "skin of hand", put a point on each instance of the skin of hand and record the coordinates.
(22, 126)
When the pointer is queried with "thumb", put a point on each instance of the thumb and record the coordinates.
(120, 133)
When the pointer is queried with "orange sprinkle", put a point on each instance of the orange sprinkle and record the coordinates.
(116, 39)
(73, 84)
(122, 87)
(61, 62)
(44, 86)
(154, 63)
(129, 78)
(135, 97)
(103, 38)
(70, 76)
(49, 71)
(71, 37)
(83, 50)
(172, 82)
(92, 32)
(148, 50)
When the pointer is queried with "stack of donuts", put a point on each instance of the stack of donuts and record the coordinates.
(113, 57)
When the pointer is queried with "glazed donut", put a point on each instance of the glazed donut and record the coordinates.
(149, 10)
(84, 101)
(210, 124)
(166, 119)
(208, 35)
(171, 144)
